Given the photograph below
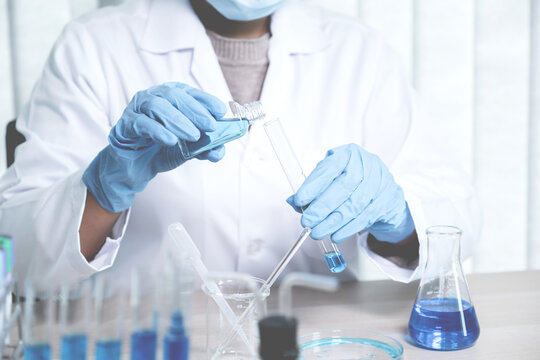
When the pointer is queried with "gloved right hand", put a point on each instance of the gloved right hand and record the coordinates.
(144, 141)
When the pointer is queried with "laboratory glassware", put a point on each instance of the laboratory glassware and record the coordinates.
(109, 313)
(232, 126)
(295, 175)
(144, 299)
(74, 319)
(269, 282)
(278, 332)
(10, 313)
(37, 324)
(443, 316)
(240, 291)
(185, 246)
(353, 344)
(177, 296)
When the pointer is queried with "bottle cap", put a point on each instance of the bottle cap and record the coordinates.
(278, 338)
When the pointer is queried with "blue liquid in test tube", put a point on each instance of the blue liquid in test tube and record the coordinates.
(73, 347)
(143, 345)
(335, 261)
(37, 352)
(108, 349)
(439, 324)
(176, 343)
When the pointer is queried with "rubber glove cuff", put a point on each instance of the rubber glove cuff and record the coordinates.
(114, 179)
(388, 232)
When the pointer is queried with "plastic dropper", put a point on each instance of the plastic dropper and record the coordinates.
(295, 175)
(185, 244)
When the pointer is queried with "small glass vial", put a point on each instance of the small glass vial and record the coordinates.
(443, 316)
(232, 126)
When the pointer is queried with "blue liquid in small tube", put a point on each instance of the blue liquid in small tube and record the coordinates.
(143, 345)
(335, 261)
(73, 347)
(175, 342)
(108, 349)
(37, 352)
(438, 324)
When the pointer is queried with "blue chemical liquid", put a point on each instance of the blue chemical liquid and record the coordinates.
(143, 345)
(37, 352)
(73, 347)
(392, 351)
(335, 261)
(226, 130)
(108, 349)
(438, 324)
(175, 342)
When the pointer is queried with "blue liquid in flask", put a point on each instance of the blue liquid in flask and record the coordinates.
(73, 347)
(335, 261)
(108, 349)
(37, 352)
(175, 342)
(438, 324)
(143, 345)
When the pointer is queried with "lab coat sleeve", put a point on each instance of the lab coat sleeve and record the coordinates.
(42, 196)
(418, 154)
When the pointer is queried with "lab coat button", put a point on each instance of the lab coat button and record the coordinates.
(254, 247)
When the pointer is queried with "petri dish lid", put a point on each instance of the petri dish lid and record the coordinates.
(352, 344)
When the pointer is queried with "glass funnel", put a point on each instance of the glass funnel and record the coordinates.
(443, 316)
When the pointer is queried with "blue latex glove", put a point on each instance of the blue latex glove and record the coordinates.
(349, 191)
(144, 141)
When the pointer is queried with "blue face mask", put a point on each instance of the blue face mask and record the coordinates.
(245, 10)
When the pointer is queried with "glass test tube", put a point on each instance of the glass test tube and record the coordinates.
(143, 302)
(176, 298)
(109, 306)
(74, 319)
(38, 326)
(295, 175)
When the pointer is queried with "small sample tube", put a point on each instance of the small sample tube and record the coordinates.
(74, 319)
(178, 292)
(295, 175)
(37, 326)
(143, 302)
(109, 308)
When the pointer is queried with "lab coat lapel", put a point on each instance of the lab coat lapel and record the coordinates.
(294, 31)
(206, 70)
(172, 25)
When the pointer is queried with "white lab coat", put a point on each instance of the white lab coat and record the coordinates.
(331, 80)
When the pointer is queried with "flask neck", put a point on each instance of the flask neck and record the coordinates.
(443, 251)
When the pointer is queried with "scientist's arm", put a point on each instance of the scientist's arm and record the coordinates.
(353, 190)
(96, 226)
(143, 143)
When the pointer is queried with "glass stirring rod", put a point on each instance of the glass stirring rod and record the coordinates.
(292, 169)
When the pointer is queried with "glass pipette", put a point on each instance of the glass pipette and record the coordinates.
(295, 175)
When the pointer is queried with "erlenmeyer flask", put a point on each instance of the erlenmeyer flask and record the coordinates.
(443, 316)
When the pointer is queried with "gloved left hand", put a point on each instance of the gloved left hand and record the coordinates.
(349, 191)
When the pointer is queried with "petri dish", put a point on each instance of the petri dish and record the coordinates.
(349, 344)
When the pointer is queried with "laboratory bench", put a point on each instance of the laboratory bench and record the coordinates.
(507, 305)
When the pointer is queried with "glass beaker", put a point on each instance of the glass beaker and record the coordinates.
(238, 292)
(443, 316)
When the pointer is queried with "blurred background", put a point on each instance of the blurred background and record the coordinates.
(475, 64)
